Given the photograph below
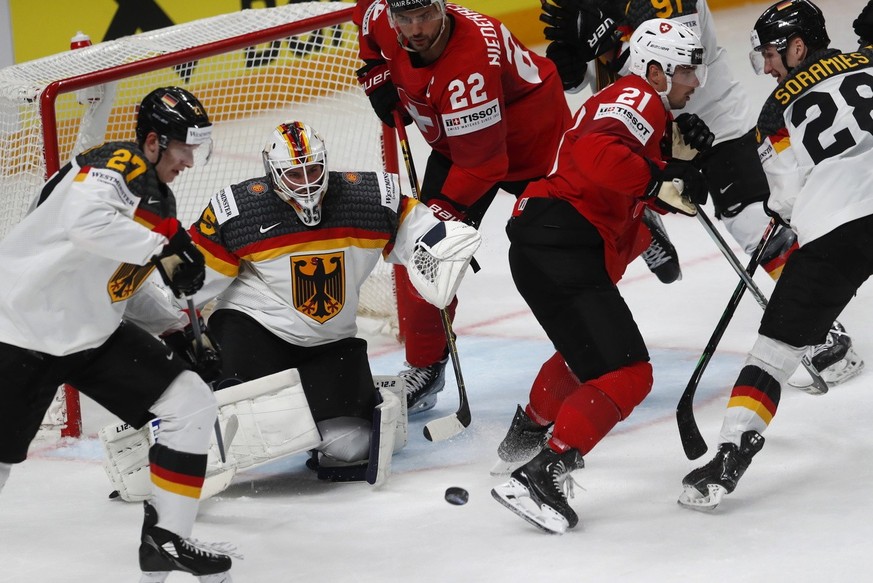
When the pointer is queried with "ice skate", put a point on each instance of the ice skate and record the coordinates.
(422, 386)
(538, 491)
(162, 552)
(835, 360)
(705, 487)
(661, 256)
(524, 440)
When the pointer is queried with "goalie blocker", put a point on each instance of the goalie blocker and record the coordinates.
(264, 420)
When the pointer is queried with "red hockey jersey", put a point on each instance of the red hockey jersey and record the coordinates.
(487, 103)
(601, 168)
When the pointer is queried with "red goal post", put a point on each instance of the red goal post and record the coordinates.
(251, 69)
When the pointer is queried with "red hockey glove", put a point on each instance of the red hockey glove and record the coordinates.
(180, 263)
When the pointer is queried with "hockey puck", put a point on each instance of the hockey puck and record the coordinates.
(457, 496)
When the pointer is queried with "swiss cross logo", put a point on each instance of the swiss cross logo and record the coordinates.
(666, 27)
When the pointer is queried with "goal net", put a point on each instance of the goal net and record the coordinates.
(251, 69)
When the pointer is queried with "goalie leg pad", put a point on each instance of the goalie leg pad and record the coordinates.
(263, 420)
(386, 416)
(126, 459)
(397, 386)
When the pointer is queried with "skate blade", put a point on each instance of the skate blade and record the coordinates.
(154, 576)
(836, 374)
(691, 498)
(516, 498)
(426, 403)
(504, 468)
(216, 578)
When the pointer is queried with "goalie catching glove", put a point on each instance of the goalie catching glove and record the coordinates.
(440, 259)
(180, 263)
(678, 188)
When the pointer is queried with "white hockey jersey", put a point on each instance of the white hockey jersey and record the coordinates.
(303, 283)
(68, 269)
(816, 142)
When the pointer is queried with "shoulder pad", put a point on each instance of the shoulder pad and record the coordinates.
(129, 161)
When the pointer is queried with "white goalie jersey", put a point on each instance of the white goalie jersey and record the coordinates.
(303, 283)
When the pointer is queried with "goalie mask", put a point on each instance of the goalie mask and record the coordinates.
(295, 159)
(783, 21)
(673, 46)
(175, 114)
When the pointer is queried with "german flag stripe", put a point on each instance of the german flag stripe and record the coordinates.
(746, 394)
(780, 140)
(308, 242)
(752, 405)
(84, 171)
(775, 266)
(297, 140)
(176, 488)
(216, 256)
(146, 217)
(757, 379)
(180, 478)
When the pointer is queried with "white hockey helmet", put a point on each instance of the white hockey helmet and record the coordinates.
(673, 45)
(295, 159)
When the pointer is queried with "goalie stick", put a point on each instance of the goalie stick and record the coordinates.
(692, 441)
(818, 385)
(198, 350)
(444, 427)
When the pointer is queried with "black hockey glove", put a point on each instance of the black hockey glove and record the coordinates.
(204, 359)
(375, 78)
(571, 69)
(677, 188)
(695, 132)
(579, 24)
(180, 263)
(863, 25)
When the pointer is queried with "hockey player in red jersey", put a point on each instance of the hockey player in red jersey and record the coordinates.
(68, 271)
(472, 89)
(735, 179)
(286, 255)
(816, 149)
(572, 236)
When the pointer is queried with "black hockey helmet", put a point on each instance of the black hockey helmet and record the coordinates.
(174, 114)
(789, 18)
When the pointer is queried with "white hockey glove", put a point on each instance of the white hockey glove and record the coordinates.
(440, 259)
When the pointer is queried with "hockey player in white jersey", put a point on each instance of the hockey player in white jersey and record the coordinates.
(101, 226)
(286, 255)
(816, 148)
(736, 182)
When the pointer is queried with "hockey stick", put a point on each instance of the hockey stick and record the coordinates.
(818, 386)
(198, 349)
(692, 441)
(444, 427)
